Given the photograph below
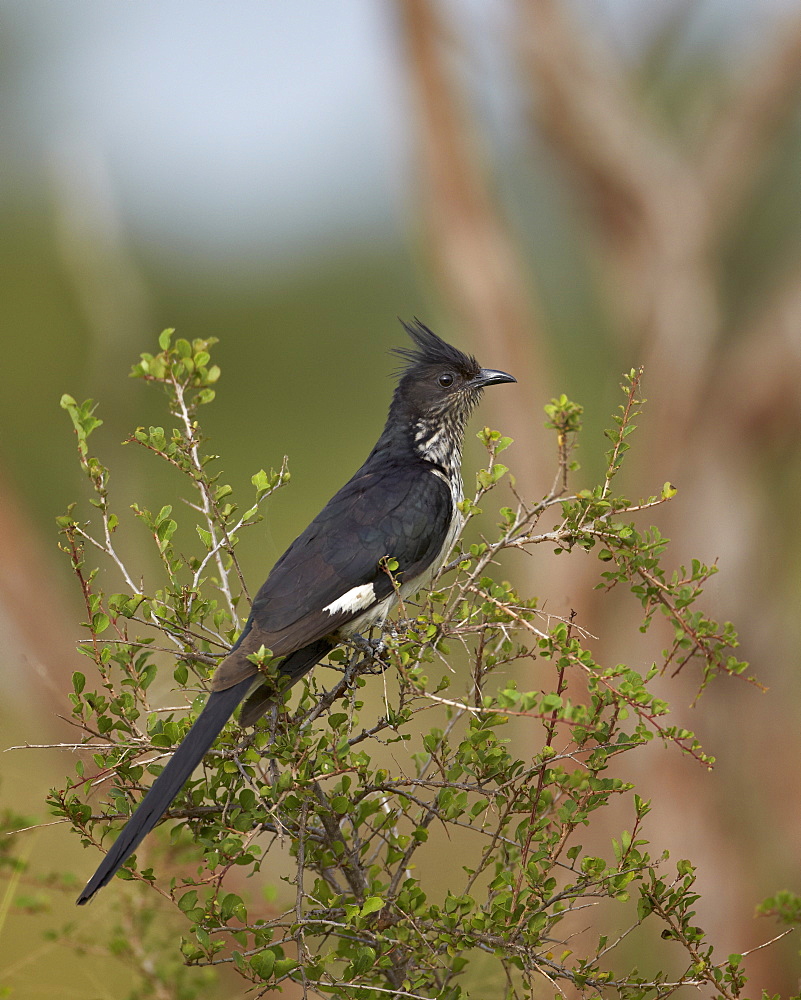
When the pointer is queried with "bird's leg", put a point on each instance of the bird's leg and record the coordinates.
(373, 650)
(367, 647)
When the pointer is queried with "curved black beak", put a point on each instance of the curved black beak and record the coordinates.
(489, 376)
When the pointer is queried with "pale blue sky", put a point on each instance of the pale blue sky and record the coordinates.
(217, 126)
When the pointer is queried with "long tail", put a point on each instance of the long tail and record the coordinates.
(218, 709)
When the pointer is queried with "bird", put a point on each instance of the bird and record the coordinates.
(332, 584)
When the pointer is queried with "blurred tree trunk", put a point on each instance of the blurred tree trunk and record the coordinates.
(475, 261)
(39, 629)
(660, 217)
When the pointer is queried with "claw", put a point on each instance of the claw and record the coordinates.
(373, 649)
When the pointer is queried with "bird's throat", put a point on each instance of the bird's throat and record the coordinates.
(440, 442)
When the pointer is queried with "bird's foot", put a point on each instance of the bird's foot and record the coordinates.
(368, 647)
(373, 649)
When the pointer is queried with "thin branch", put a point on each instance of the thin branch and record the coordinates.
(209, 512)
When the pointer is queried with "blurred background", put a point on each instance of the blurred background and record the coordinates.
(567, 189)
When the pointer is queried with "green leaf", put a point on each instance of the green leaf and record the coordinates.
(232, 905)
(188, 901)
(371, 905)
(263, 964)
(100, 622)
(283, 966)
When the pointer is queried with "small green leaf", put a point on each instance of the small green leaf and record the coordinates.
(263, 964)
(283, 966)
(188, 901)
(100, 622)
(232, 905)
(371, 905)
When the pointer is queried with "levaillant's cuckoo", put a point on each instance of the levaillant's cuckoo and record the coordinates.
(331, 583)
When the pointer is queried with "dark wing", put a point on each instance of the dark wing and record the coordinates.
(400, 512)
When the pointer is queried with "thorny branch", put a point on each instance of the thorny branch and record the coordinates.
(361, 831)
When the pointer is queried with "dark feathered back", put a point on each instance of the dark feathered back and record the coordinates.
(429, 350)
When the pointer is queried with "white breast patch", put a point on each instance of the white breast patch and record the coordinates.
(353, 600)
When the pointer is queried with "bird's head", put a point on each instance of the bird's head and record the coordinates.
(437, 381)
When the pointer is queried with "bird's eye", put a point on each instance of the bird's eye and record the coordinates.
(445, 380)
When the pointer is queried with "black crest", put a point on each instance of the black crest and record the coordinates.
(431, 350)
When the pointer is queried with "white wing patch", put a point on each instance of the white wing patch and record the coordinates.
(354, 600)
